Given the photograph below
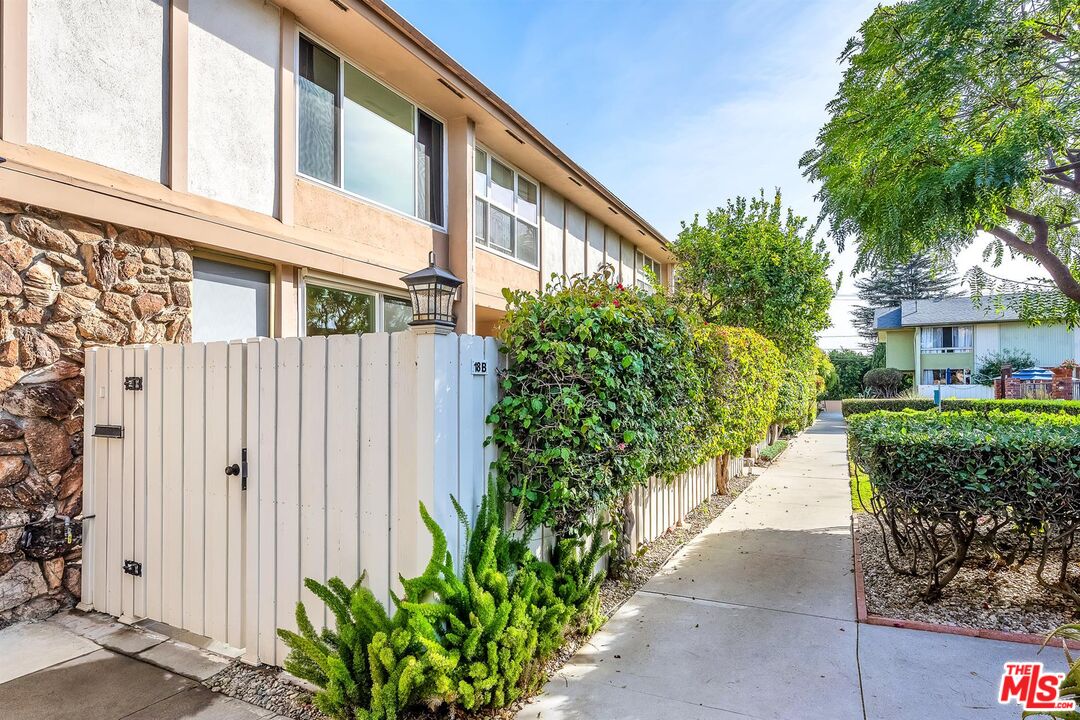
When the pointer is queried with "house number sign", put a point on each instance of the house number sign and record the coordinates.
(479, 368)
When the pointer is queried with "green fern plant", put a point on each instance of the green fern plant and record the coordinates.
(336, 661)
(1070, 684)
(475, 637)
(577, 581)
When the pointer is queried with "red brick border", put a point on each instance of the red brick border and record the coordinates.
(862, 615)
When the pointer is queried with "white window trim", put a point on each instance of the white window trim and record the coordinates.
(486, 245)
(949, 349)
(339, 158)
(348, 285)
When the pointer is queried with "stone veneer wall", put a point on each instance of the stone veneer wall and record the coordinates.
(65, 284)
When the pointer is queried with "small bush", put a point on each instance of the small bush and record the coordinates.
(1070, 407)
(602, 393)
(857, 406)
(771, 452)
(948, 484)
(474, 639)
(883, 382)
(742, 373)
(989, 367)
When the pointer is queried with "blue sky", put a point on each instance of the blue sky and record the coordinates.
(675, 105)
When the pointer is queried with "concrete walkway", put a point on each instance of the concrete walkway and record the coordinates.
(756, 619)
(85, 666)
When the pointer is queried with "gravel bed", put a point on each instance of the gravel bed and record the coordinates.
(981, 596)
(263, 686)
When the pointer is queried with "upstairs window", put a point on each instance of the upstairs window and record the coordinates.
(645, 265)
(948, 339)
(357, 134)
(506, 210)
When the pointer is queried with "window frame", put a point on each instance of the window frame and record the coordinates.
(348, 285)
(945, 349)
(225, 258)
(339, 158)
(486, 198)
(655, 265)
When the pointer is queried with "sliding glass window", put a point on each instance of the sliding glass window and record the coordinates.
(506, 211)
(358, 134)
(331, 309)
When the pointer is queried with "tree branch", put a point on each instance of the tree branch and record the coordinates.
(1038, 250)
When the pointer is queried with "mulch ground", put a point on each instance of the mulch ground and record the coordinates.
(266, 687)
(983, 595)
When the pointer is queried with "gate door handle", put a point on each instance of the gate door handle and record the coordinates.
(233, 469)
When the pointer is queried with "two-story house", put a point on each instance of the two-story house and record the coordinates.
(942, 342)
(304, 153)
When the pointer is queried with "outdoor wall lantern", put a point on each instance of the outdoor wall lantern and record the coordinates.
(433, 291)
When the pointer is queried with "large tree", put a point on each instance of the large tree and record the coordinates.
(959, 116)
(917, 279)
(753, 264)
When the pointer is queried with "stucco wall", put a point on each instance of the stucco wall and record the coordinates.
(233, 51)
(575, 240)
(613, 252)
(941, 361)
(495, 272)
(553, 210)
(900, 349)
(594, 252)
(95, 82)
(390, 242)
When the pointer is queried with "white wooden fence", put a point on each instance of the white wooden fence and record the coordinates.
(343, 437)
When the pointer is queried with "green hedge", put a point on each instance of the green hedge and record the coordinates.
(1070, 407)
(947, 485)
(741, 369)
(857, 406)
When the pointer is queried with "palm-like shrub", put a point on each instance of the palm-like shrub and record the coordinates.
(337, 660)
(473, 638)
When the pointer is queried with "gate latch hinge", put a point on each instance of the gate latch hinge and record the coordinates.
(133, 383)
(133, 568)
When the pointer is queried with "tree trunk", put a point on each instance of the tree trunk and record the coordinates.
(723, 464)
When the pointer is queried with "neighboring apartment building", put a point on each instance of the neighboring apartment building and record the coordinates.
(942, 342)
(309, 151)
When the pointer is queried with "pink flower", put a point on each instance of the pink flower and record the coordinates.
(622, 446)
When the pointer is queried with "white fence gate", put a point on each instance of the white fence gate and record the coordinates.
(220, 475)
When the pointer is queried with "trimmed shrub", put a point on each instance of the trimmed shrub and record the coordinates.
(883, 382)
(989, 367)
(741, 369)
(474, 639)
(797, 404)
(1070, 407)
(948, 483)
(857, 406)
(602, 392)
(773, 451)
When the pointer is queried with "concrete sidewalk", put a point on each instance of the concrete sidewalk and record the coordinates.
(85, 666)
(755, 618)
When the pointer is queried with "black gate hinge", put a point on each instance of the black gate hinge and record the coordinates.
(133, 568)
(133, 383)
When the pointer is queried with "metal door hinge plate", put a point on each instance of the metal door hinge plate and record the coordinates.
(133, 383)
(133, 568)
